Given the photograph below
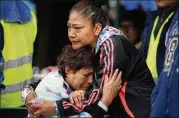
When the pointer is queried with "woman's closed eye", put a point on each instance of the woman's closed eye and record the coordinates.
(78, 28)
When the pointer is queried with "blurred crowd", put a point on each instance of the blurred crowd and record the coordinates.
(154, 33)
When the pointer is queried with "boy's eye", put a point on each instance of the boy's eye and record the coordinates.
(86, 75)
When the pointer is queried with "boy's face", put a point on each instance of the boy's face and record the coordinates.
(81, 79)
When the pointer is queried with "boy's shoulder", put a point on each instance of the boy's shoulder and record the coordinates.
(53, 76)
(52, 87)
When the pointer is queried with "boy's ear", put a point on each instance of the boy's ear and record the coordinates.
(67, 69)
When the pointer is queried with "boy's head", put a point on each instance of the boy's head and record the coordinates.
(77, 66)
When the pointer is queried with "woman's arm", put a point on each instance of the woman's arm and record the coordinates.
(110, 90)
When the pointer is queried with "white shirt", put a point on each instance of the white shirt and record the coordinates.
(53, 87)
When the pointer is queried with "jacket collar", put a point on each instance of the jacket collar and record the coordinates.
(163, 13)
(105, 34)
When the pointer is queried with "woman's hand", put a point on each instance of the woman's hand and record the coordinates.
(111, 87)
(77, 97)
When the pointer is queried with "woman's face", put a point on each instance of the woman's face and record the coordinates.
(81, 32)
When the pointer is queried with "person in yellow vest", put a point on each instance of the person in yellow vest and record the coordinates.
(18, 29)
(153, 45)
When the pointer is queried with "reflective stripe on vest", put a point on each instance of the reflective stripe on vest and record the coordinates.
(17, 54)
(16, 62)
(16, 87)
(153, 46)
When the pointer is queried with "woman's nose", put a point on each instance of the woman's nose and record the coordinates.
(71, 33)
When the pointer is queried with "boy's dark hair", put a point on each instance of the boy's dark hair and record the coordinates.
(136, 16)
(91, 9)
(75, 59)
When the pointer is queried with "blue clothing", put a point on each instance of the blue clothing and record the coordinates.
(1, 73)
(134, 4)
(1, 58)
(30, 4)
(165, 94)
(15, 11)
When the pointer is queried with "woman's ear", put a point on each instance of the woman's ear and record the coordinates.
(98, 28)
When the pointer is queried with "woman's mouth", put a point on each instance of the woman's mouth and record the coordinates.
(75, 42)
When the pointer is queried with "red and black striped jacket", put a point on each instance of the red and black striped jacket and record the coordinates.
(137, 82)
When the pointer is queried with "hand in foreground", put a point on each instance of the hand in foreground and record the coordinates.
(112, 85)
(77, 97)
(32, 95)
(45, 108)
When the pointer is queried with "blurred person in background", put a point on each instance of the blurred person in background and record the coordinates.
(165, 95)
(153, 37)
(18, 29)
(131, 23)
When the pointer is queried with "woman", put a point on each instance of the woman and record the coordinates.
(87, 26)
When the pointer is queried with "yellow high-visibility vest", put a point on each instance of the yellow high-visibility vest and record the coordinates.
(153, 46)
(17, 55)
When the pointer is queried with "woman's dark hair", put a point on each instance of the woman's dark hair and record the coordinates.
(91, 9)
(75, 59)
